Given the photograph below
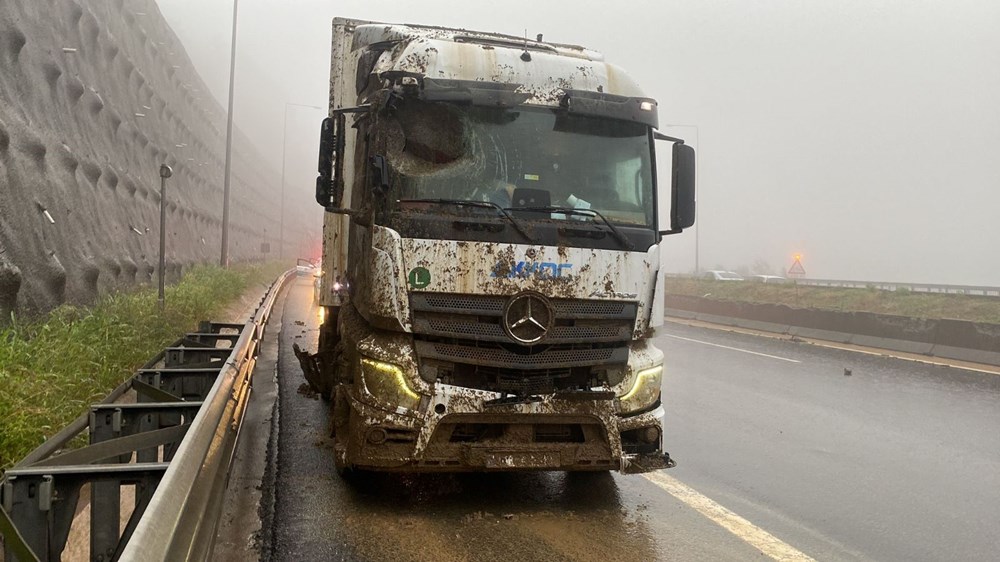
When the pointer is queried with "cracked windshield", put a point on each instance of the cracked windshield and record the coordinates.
(523, 158)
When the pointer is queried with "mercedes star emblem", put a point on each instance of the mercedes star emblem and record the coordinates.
(528, 317)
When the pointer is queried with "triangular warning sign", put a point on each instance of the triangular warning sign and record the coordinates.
(797, 268)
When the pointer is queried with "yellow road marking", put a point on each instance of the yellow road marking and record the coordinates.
(745, 530)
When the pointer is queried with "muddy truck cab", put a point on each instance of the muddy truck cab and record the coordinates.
(491, 263)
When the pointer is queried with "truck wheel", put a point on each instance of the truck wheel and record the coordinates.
(329, 334)
(341, 431)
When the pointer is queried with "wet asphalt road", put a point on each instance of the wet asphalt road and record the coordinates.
(899, 461)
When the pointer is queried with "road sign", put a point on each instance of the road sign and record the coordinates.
(797, 270)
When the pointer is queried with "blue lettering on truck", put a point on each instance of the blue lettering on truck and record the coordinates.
(525, 269)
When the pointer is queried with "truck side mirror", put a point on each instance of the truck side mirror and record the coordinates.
(330, 181)
(682, 188)
(682, 185)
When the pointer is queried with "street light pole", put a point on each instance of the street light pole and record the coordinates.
(165, 172)
(284, 151)
(224, 259)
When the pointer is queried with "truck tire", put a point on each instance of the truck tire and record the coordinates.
(329, 332)
(341, 431)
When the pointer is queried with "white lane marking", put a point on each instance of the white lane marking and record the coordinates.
(734, 348)
(940, 362)
(748, 532)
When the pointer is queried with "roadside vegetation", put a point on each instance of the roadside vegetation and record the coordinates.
(53, 368)
(901, 302)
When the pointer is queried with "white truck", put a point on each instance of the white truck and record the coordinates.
(491, 269)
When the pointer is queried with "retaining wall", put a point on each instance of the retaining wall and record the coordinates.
(94, 96)
(951, 339)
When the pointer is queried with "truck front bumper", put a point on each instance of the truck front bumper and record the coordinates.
(461, 429)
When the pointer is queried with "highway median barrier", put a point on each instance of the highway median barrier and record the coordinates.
(976, 342)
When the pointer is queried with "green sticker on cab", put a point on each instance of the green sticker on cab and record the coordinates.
(419, 277)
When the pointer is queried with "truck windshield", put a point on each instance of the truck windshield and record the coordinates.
(552, 159)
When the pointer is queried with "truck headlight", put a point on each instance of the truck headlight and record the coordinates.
(387, 383)
(644, 392)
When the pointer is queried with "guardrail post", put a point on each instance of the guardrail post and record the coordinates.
(42, 509)
(20, 499)
(105, 496)
(144, 489)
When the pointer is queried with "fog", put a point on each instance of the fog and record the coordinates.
(862, 135)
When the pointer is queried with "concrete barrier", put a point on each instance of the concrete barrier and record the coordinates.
(976, 342)
(969, 341)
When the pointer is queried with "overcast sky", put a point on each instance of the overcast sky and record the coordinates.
(864, 135)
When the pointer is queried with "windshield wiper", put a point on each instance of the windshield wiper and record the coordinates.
(481, 204)
(625, 242)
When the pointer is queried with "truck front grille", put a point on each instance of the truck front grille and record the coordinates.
(461, 341)
(494, 304)
(546, 357)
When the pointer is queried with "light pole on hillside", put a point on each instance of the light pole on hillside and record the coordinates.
(224, 259)
(697, 225)
(165, 172)
(284, 151)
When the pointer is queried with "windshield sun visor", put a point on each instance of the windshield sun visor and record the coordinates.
(596, 104)
(495, 94)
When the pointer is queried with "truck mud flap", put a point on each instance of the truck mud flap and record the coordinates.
(314, 365)
(646, 462)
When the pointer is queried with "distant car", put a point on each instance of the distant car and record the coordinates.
(768, 279)
(718, 275)
(304, 267)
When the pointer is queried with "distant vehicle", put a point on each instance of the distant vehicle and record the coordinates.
(304, 267)
(717, 275)
(768, 279)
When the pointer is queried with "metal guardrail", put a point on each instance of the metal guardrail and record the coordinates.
(174, 444)
(981, 290)
(915, 287)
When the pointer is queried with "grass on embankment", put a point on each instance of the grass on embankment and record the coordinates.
(900, 302)
(53, 368)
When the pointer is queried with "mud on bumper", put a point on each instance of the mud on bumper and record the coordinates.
(469, 430)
